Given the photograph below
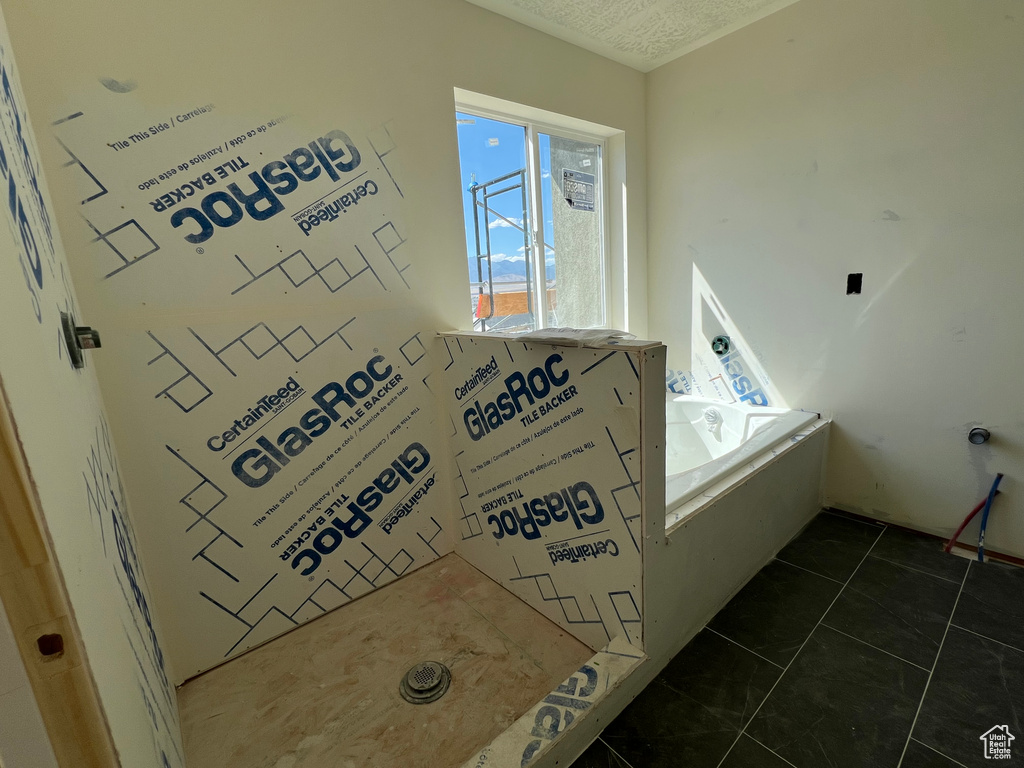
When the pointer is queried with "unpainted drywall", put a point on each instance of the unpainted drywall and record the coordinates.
(135, 90)
(66, 443)
(860, 137)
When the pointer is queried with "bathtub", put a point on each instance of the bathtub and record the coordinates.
(705, 440)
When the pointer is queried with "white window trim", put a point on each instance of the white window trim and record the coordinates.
(613, 213)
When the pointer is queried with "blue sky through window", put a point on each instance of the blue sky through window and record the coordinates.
(489, 149)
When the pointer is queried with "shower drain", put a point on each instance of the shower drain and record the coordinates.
(426, 682)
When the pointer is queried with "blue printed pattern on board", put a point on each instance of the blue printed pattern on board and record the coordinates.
(547, 471)
(93, 537)
(288, 461)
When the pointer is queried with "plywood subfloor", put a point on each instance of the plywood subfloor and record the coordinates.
(326, 694)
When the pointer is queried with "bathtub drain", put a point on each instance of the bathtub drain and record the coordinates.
(425, 682)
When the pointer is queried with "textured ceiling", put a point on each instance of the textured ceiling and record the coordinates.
(642, 34)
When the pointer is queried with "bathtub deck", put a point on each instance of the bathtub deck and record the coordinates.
(326, 694)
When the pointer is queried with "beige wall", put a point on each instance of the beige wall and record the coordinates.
(326, 61)
(865, 136)
(353, 65)
(62, 429)
(825, 139)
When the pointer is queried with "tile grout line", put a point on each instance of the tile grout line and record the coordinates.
(768, 749)
(743, 730)
(738, 645)
(808, 570)
(875, 647)
(612, 750)
(683, 695)
(915, 570)
(986, 637)
(933, 749)
(843, 516)
(886, 527)
(920, 704)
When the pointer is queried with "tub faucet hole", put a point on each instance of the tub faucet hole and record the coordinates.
(721, 345)
(713, 419)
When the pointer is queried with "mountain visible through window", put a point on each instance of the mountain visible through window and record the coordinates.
(533, 208)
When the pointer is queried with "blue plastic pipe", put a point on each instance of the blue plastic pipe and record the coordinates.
(984, 518)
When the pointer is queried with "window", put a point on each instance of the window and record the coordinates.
(533, 198)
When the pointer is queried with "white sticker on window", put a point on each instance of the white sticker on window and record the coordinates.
(578, 189)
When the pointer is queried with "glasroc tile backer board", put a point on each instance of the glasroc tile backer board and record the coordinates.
(66, 440)
(532, 735)
(329, 489)
(327, 694)
(547, 450)
(264, 356)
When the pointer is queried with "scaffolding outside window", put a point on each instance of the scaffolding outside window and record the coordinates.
(535, 230)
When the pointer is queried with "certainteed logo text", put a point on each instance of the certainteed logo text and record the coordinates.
(268, 404)
(481, 377)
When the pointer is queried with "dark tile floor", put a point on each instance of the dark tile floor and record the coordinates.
(859, 646)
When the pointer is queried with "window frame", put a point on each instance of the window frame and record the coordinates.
(562, 129)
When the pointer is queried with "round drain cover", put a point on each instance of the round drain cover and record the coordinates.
(427, 681)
